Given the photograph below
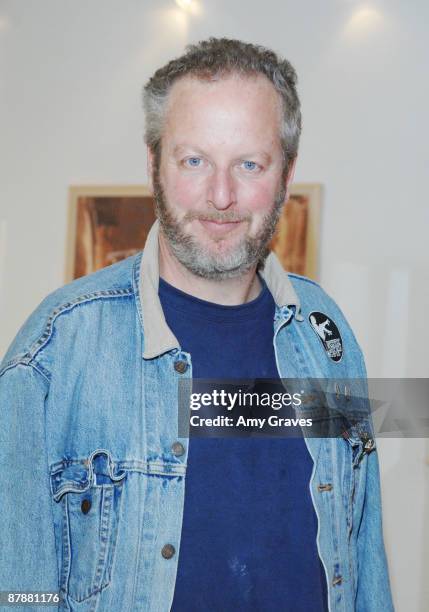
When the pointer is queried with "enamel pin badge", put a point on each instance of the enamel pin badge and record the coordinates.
(328, 334)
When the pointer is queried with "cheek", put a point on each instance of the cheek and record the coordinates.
(184, 192)
(257, 197)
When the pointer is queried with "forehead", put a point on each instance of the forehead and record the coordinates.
(247, 107)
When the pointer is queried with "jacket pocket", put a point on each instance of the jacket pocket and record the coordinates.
(89, 494)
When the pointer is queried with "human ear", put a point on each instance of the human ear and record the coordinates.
(150, 168)
(290, 176)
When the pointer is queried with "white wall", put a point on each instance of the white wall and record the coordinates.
(70, 80)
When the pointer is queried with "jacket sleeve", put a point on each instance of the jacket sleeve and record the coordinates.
(373, 586)
(28, 560)
(373, 589)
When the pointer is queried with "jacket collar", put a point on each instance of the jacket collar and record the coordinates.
(158, 337)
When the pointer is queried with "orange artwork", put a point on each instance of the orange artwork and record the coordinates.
(107, 228)
(296, 239)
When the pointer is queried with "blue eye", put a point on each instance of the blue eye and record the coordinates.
(250, 165)
(194, 162)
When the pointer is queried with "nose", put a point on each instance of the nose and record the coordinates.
(221, 190)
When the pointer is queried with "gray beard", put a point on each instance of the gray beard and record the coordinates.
(250, 252)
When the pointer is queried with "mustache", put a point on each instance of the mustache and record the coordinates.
(226, 217)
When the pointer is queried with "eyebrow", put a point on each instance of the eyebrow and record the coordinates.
(180, 148)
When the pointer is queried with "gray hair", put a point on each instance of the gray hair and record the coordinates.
(217, 57)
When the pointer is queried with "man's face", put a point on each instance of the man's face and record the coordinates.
(219, 185)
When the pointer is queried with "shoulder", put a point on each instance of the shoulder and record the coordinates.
(318, 306)
(303, 283)
(115, 282)
(310, 293)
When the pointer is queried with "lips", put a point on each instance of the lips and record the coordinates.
(219, 226)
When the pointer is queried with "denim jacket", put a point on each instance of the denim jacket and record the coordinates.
(92, 471)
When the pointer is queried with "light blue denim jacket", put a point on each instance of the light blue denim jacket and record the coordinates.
(92, 471)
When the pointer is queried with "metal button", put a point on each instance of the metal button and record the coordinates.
(168, 551)
(178, 449)
(324, 487)
(337, 580)
(180, 366)
(85, 506)
(369, 445)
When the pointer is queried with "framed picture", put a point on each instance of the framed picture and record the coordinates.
(106, 224)
(109, 223)
(296, 241)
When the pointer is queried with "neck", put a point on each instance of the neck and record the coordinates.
(228, 292)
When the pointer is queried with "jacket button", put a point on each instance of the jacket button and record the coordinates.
(324, 487)
(85, 506)
(168, 551)
(178, 449)
(180, 366)
(337, 580)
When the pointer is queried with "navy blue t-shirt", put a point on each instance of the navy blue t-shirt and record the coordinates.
(249, 528)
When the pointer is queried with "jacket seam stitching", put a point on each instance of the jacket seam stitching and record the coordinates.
(136, 285)
(304, 278)
(28, 357)
(25, 363)
(40, 369)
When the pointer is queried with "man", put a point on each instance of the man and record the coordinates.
(94, 500)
